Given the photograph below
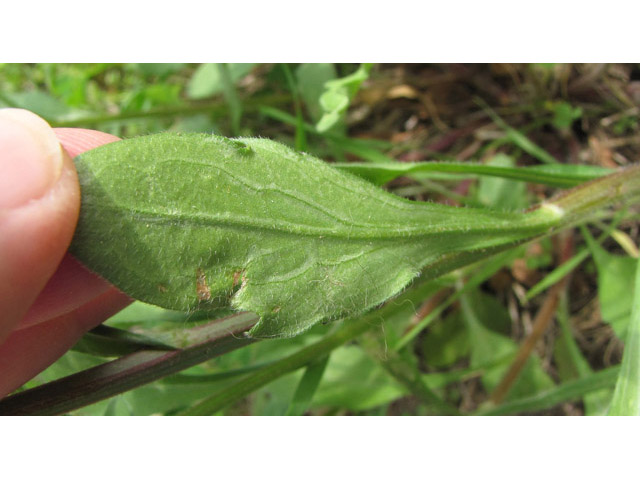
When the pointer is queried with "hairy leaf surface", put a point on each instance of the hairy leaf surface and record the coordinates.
(195, 222)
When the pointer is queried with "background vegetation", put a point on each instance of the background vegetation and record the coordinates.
(539, 329)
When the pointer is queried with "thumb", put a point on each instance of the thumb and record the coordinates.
(39, 204)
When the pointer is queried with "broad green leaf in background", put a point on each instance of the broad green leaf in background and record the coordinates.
(449, 340)
(207, 80)
(616, 279)
(626, 397)
(37, 101)
(71, 83)
(446, 342)
(571, 363)
(355, 381)
(502, 193)
(194, 222)
(490, 347)
(151, 96)
(311, 79)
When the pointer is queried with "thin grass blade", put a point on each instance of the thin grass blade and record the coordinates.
(307, 387)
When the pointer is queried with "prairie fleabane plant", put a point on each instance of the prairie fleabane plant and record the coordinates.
(272, 282)
(198, 222)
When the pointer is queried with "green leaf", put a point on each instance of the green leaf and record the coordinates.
(195, 222)
(311, 80)
(207, 80)
(337, 96)
(566, 392)
(489, 347)
(556, 175)
(564, 115)
(446, 342)
(502, 193)
(159, 69)
(571, 363)
(38, 102)
(353, 380)
(626, 398)
(616, 280)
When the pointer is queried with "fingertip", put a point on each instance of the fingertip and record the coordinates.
(78, 140)
(34, 234)
(31, 158)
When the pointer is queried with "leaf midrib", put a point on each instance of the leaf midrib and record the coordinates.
(360, 232)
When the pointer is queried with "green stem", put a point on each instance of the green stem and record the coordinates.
(579, 203)
(231, 96)
(215, 108)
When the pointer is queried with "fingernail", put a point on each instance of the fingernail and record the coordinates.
(30, 157)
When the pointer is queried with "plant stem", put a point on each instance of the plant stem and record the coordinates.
(540, 324)
(215, 108)
(580, 202)
(231, 96)
(140, 368)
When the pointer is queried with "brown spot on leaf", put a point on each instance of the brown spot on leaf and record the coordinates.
(238, 277)
(162, 288)
(202, 289)
(276, 309)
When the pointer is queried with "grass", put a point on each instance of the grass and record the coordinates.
(504, 136)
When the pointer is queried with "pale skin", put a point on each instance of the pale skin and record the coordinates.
(47, 299)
